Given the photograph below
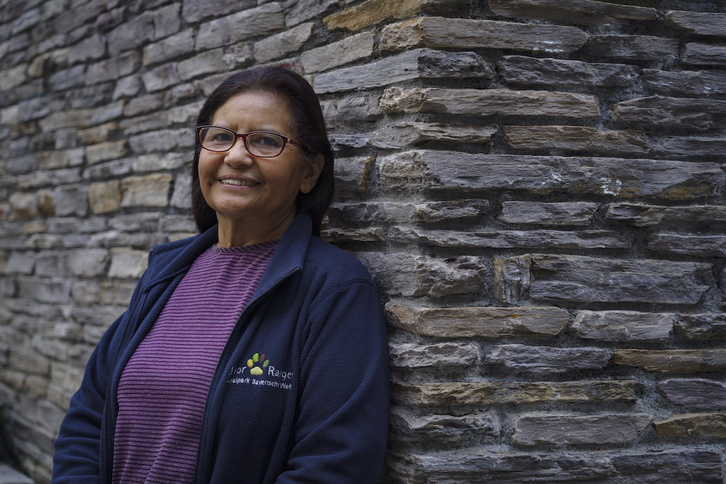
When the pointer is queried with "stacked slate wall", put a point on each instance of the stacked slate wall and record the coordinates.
(536, 186)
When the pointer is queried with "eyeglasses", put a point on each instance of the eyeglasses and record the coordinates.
(262, 144)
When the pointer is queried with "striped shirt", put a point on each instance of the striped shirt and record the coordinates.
(163, 389)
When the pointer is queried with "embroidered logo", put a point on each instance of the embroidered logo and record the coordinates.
(259, 366)
(257, 363)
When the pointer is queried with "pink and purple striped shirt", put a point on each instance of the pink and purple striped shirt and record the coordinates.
(163, 389)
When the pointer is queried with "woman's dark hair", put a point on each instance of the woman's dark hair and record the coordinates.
(308, 128)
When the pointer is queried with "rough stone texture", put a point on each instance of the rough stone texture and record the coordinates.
(575, 139)
(408, 355)
(698, 246)
(619, 279)
(476, 321)
(579, 12)
(194, 11)
(352, 110)
(70, 200)
(419, 63)
(445, 171)
(556, 213)
(127, 263)
(623, 325)
(542, 359)
(453, 210)
(283, 43)
(151, 190)
(693, 425)
(372, 12)
(681, 147)
(518, 393)
(697, 54)
(567, 74)
(410, 275)
(417, 133)
(632, 47)
(536, 186)
(685, 83)
(455, 430)
(694, 392)
(104, 197)
(680, 466)
(358, 213)
(339, 53)
(511, 278)
(704, 327)
(263, 20)
(488, 102)
(644, 215)
(512, 239)
(700, 23)
(695, 114)
(588, 279)
(673, 361)
(579, 429)
(437, 32)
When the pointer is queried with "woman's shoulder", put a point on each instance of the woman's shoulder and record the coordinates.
(336, 262)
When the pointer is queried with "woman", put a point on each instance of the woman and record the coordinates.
(253, 352)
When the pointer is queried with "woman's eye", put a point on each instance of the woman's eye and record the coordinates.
(221, 137)
(266, 141)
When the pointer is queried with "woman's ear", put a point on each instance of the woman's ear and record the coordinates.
(313, 169)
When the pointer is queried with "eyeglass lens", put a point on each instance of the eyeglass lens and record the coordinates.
(215, 138)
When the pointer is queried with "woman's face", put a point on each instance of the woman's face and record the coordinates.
(254, 198)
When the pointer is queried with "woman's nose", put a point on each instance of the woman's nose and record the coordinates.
(238, 155)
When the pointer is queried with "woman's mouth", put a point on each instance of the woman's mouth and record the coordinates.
(238, 183)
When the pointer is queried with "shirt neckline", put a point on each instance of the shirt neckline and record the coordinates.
(245, 249)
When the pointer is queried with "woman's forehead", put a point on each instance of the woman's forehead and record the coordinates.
(255, 107)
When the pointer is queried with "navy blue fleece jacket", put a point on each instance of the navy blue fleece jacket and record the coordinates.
(315, 411)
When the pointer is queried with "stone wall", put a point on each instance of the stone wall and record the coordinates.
(536, 186)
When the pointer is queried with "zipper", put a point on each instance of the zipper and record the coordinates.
(200, 474)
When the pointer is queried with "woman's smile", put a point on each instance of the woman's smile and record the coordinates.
(238, 182)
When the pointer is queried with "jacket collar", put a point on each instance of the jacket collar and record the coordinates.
(289, 255)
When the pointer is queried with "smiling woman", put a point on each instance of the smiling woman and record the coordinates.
(252, 196)
(292, 110)
(253, 338)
